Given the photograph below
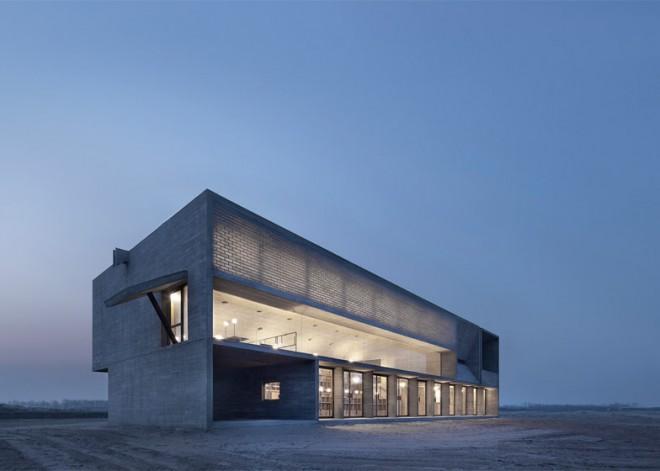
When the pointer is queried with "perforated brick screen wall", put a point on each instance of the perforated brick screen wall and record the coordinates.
(251, 248)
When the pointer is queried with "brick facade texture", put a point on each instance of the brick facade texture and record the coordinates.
(249, 248)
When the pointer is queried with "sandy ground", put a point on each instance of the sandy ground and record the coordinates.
(523, 440)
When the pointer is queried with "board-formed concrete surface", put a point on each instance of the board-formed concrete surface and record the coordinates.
(521, 440)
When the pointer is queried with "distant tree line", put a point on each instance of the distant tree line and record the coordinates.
(65, 404)
(574, 407)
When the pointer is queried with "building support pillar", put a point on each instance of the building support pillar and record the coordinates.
(391, 395)
(412, 397)
(492, 402)
(471, 404)
(444, 398)
(338, 392)
(368, 394)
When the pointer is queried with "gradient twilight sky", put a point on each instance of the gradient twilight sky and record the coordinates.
(500, 159)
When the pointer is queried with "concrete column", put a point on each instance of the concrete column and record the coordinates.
(459, 399)
(445, 398)
(471, 404)
(391, 396)
(429, 386)
(315, 385)
(338, 393)
(429, 398)
(481, 403)
(412, 397)
(368, 394)
(492, 402)
(200, 329)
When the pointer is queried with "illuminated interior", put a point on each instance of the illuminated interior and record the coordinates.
(178, 301)
(326, 380)
(380, 396)
(421, 398)
(236, 319)
(353, 394)
(402, 397)
(452, 399)
(437, 399)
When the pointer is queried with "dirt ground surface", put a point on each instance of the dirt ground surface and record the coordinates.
(521, 440)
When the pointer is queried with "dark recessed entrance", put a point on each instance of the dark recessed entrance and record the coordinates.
(250, 384)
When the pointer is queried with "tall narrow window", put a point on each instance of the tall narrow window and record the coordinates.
(421, 397)
(482, 409)
(326, 405)
(437, 396)
(179, 314)
(352, 394)
(463, 400)
(402, 397)
(380, 396)
(474, 401)
(452, 399)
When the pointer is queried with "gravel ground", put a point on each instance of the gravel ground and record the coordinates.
(521, 440)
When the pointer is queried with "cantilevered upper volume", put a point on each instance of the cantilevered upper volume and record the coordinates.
(221, 314)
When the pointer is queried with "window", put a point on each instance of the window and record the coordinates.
(452, 399)
(179, 313)
(474, 401)
(402, 397)
(463, 400)
(482, 408)
(380, 396)
(437, 396)
(272, 391)
(421, 397)
(326, 404)
(352, 394)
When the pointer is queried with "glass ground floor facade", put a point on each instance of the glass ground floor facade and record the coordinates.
(277, 354)
(367, 394)
(258, 382)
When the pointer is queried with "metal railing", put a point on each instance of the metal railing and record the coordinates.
(285, 341)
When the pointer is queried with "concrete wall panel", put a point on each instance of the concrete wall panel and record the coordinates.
(167, 387)
(238, 392)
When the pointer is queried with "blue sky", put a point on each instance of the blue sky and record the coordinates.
(500, 159)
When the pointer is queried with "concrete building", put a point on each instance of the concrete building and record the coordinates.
(220, 314)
